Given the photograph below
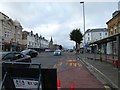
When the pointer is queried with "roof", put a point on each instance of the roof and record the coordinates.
(4, 14)
(118, 13)
(51, 40)
(97, 30)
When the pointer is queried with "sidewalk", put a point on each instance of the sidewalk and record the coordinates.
(72, 72)
(107, 71)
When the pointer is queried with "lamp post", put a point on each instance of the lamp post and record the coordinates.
(83, 21)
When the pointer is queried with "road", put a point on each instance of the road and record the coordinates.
(70, 71)
(47, 59)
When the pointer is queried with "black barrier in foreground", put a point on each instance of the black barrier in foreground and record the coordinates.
(23, 76)
(49, 79)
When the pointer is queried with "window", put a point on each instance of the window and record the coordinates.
(105, 33)
(18, 56)
(111, 31)
(29, 43)
(5, 34)
(119, 27)
(88, 38)
(8, 57)
(115, 29)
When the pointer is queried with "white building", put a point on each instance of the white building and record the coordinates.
(92, 35)
(34, 41)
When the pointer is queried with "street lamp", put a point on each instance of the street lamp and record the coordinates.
(83, 21)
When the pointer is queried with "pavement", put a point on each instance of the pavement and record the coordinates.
(73, 74)
(106, 72)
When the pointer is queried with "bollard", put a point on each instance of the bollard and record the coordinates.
(58, 84)
(72, 86)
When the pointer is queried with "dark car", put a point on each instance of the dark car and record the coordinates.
(30, 52)
(14, 57)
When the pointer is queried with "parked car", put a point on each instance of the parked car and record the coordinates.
(30, 52)
(14, 57)
(57, 52)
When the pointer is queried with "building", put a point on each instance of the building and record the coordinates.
(33, 41)
(113, 29)
(13, 39)
(114, 24)
(11, 33)
(92, 35)
(53, 46)
(24, 39)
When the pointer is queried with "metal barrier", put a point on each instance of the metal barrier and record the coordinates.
(27, 76)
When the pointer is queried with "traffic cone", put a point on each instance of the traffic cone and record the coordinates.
(72, 86)
(58, 84)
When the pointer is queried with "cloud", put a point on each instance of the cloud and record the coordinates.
(58, 1)
(58, 19)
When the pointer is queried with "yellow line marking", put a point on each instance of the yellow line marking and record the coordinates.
(57, 64)
(73, 63)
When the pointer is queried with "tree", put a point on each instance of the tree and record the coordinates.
(76, 36)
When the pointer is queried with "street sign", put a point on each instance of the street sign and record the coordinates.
(28, 76)
(25, 84)
(16, 77)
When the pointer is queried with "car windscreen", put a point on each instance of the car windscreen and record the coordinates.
(25, 51)
(57, 51)
(2, 54)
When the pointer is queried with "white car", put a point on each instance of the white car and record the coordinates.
(57, 52)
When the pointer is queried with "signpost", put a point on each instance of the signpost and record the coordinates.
(27, 76)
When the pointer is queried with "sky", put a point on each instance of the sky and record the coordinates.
(57, 19)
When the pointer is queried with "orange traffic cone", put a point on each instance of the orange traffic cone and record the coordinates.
(58, 85)
(72, 86)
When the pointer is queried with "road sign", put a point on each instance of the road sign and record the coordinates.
(29, 77)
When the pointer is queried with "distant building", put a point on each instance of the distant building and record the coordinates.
(53, 46)
(33, 41)
(92, 35)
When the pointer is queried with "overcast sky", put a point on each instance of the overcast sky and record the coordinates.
(58, 19)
